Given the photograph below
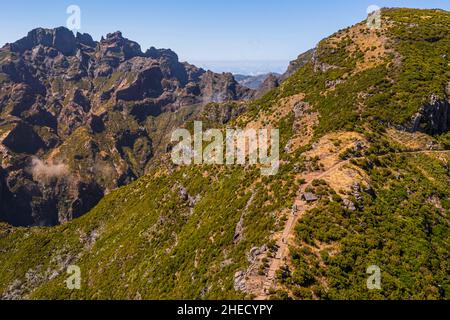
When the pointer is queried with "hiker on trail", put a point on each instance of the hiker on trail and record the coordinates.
(294, 210)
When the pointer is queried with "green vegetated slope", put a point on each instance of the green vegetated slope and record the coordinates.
(171, 233)
(401, 226)
(145, 240)
(387, 74)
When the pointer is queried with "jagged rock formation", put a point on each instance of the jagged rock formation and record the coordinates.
(271, 82)
(91, 106)
(432, 118)
(296, 64)
(254, 82)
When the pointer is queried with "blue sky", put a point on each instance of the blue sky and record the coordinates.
(222, 34)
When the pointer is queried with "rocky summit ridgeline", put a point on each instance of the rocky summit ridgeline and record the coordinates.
(79, 118)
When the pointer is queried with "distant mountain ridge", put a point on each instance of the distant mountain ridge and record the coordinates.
(253, 82)
(93, 106)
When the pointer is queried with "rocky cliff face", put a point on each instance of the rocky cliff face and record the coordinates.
(254, 82)
(79, 118)
(433, 117)
(296, 64)
(271, 82)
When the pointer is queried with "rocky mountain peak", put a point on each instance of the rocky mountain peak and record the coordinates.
(155, 53)
(85, 39)
(59, 38)
(115, 35)
(90, 106)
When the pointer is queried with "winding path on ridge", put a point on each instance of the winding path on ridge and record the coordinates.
(288, 233)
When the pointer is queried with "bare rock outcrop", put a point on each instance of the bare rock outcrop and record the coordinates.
(433, 117)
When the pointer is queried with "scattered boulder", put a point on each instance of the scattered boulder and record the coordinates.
(255, 252)
(239, 281)
(184, 195)
(239, 231)
(356, 191)
(349, 205)
(300, 109)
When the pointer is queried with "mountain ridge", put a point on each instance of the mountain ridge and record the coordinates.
(76, 99)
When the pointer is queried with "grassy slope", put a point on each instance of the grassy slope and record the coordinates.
(149, 240)
(150, 244)
(389, 91)
(403, 229)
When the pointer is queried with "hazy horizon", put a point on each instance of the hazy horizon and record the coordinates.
(243, 67)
